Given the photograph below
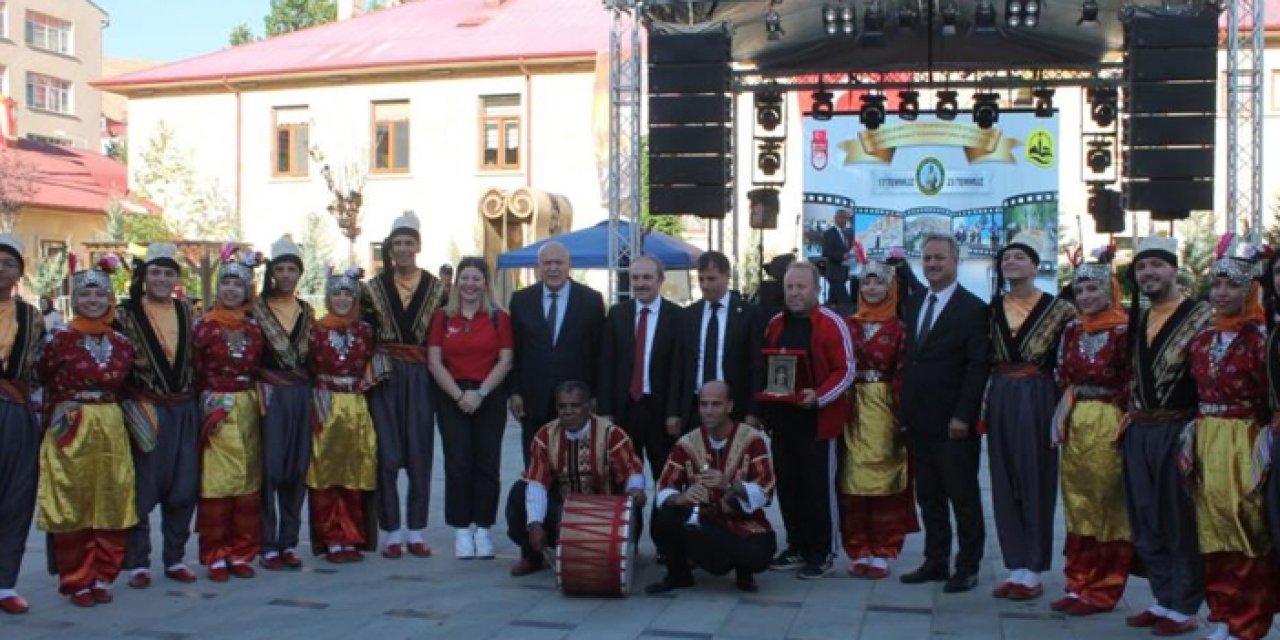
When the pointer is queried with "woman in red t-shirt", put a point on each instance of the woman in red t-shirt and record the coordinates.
(469, 353)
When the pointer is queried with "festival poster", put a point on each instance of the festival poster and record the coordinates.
(907, 180)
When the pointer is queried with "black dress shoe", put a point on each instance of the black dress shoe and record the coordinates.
(926, 573)
(960, 582)
(669, 583)
(746, 580)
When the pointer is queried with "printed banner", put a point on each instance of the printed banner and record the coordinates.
(908, 180)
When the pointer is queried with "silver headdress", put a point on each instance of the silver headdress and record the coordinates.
(238, 266)
(97, 276)
(879, 269)
(348, 280)
(1237, 261)
(1094, 272)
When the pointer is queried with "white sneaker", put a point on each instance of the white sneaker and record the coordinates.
(484, 543)
(464, 544)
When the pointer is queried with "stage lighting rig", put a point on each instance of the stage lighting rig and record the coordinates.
(873, 25)
(768, 110)
(948, 105)
(984, 17)
(839, 19)
(872, 114)
(986, 109)
(1103, 105)
(1088, 14)
(824, 105)
(1044, 102)
(908, 105)
(950, 18)
(1013, 13)
(769, 159)
(1098, 157)
(773, 25)
(1030, 13)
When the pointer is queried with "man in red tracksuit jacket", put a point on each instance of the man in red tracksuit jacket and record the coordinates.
(804, 430)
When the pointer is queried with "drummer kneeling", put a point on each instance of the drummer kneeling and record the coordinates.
(579, 453)
(711, 499)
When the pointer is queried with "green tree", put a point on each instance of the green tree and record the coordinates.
(118, 150)
(167, 176)
(317, 255)
(48, 276)
(294, 15)
(1198, 242)
(241, 34)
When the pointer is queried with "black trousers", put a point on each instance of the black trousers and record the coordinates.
(19, 475)
(472, 457)
(286, 455)
(946, 473)
(802, 467)
(167, 476)
(838, 290)
(646, 425)
(518, 520)
(402, 418)
(712, 546)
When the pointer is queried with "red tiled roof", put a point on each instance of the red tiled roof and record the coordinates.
(416, 33)
(74, 179)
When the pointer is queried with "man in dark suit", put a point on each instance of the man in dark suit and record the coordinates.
(943, 383)
(637, 356)
(720, 339)
(837, 242)
(556, 326)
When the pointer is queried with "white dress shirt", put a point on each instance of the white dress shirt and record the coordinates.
(723, 315)
(943, 297)
(654, 308)
(562, 303)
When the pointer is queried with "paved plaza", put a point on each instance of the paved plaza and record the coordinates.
(442, 597)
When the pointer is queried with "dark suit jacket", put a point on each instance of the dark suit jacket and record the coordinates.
(834, 249)
(538, 366)
(618, 355)
(946, 376)
(741, 359)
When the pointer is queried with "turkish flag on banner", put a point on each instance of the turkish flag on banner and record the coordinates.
(9, 120)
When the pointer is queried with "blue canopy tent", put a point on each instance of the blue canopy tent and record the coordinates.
(589, 249)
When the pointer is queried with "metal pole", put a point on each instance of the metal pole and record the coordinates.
(624, 138)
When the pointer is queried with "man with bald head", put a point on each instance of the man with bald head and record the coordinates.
(712, 495)
(556, 324)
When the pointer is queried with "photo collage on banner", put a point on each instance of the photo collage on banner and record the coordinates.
(907, 180)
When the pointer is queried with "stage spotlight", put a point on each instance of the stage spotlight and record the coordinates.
(1030, 20)
(948, 105)
(950, 17)
(986, 109)
(872, 114)
(1088, 14)
(823, 104)
(907, 14)
(769, 159)
(1030, 13)
(829, 16)
(1044, 102)
(984, 17)
(1098, 157)
(1013, 13)
(908, 104)
(1102, 106)
(773, 25)
(873, 25)
(848, 20)
(768, 110)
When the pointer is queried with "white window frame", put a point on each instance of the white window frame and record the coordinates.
(4, 20)
(49, 33)
(54, 101)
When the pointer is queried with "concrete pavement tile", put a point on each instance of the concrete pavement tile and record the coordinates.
(895, 626)
(760, 618)
(694, 611)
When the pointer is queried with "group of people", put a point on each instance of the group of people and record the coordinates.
(1154, 422)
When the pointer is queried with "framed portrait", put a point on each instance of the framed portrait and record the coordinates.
(786, 375)
(782, 375)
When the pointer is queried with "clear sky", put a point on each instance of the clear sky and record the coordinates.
(167, 30)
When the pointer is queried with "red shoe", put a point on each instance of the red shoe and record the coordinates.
(393, 551)
(1022, 592)
(219, 574)
(1167, 627)
(876, 573)
(101, 595)
(181, 574)
(1082, 608)
(1144, 619)
(525, 567)
(242, 570)
(353, 555)
(291, 559)
(272, 563)
(858, 570)
(420, 549)
(140, 580)
(337, 557)
(1002, 591)
(83, 598)
(14, 604)
(1063, 603)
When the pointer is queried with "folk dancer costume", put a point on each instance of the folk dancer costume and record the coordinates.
(1229, 368)
(343, 442)
(21, 332)
(285, 393)
(1163, 400)
(86, 472)
(598, 459)
(1270, 454)
(229, 346)
(730, 533)
(162, 409)
(1093, 371)
(877, 506)
(1021, 396)
(400, 312)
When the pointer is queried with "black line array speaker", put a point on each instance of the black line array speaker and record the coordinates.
(1104, 207)
(1170, 73)
(690, 124)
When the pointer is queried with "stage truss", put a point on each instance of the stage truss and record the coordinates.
(1246, 26)
(625, 93)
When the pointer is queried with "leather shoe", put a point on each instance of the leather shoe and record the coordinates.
(219, 574)
(140, 580)
(1082, 608)
(353, 555)
(858, 570)
(1167, 627)
(14, 604)
(525, 566)
(181, 574)
(291, 559)
(101, 595)
(669, 583)
(926, 573)
(1003, 590)
(1143, 619)
(420, 549)
(241, 569)
(1063, 603)
(745, 581)
(83, 598)
(393, 551)
(1021, 592)
(272, 563)
(337, 557)
(960, 582)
